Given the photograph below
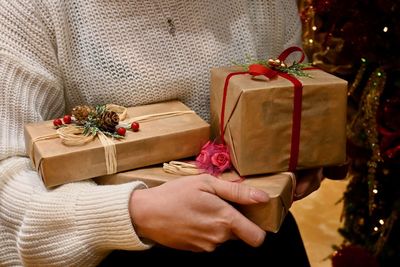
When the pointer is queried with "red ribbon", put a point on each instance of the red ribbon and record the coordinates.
(389, 138)
(258, 69)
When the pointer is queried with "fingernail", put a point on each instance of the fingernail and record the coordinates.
(259, 196)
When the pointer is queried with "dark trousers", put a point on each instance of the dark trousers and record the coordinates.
(285, 248)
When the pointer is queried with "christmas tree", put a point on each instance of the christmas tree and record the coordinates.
(359, 41)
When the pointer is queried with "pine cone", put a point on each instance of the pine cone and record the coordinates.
(81, 113)
(108, 121)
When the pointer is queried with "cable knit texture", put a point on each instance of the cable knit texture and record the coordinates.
(55, 54)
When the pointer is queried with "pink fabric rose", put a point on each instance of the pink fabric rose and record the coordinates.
(206, 146)
(213, 158)
(203, 158)
(221, 160)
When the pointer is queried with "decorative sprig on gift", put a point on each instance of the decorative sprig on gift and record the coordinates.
(95, 120)
(296, 69)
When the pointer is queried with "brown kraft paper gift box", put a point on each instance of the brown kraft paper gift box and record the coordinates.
(157, 141)
(269, 216)
(258, 120)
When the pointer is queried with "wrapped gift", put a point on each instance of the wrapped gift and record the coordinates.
(264, 132)
(269, 216)
(178, 133)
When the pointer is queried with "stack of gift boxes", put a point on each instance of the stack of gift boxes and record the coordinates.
(257, 126)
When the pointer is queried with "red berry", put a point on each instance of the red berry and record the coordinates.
(67, 119)
(121, 131)
(135, 126)
(57, 122)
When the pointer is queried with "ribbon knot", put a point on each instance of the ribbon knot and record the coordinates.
(275, 66)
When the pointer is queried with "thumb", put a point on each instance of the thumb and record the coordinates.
(238, 193)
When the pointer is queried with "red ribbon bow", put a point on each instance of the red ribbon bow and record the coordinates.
(258, 69)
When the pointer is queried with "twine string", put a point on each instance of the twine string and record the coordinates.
(72, 135)
(181, 168)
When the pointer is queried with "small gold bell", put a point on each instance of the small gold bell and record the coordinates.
(276, 63)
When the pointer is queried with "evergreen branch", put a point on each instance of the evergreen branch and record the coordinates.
(100, 109)
(113, 135)
(296, 69)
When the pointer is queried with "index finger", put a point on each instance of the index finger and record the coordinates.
(238, 193)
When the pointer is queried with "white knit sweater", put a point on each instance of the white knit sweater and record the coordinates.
(55, 54)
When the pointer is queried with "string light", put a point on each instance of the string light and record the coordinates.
(358, 77)
(385, 29)
(382, 222)
(364, 124)
(376, 229)
(314, 28)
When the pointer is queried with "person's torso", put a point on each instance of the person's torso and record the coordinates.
(137, 52)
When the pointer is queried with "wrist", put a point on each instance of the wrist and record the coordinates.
(137, 210)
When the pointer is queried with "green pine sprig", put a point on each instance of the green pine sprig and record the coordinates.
(92, 124)
(113, 135)
(99, 110)
(296, 69)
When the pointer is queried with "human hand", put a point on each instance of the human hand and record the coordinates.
(192, 213)
(307, 182)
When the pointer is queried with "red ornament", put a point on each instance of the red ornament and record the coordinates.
(355, 256)
(57, 122)
(121, 131)
(67, 119)
(135, 126)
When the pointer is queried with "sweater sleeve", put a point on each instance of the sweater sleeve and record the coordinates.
(30, 81)
(76, 224)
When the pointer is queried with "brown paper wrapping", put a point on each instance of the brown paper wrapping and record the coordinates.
(157, 141)
(258, 120)
(269, 216)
